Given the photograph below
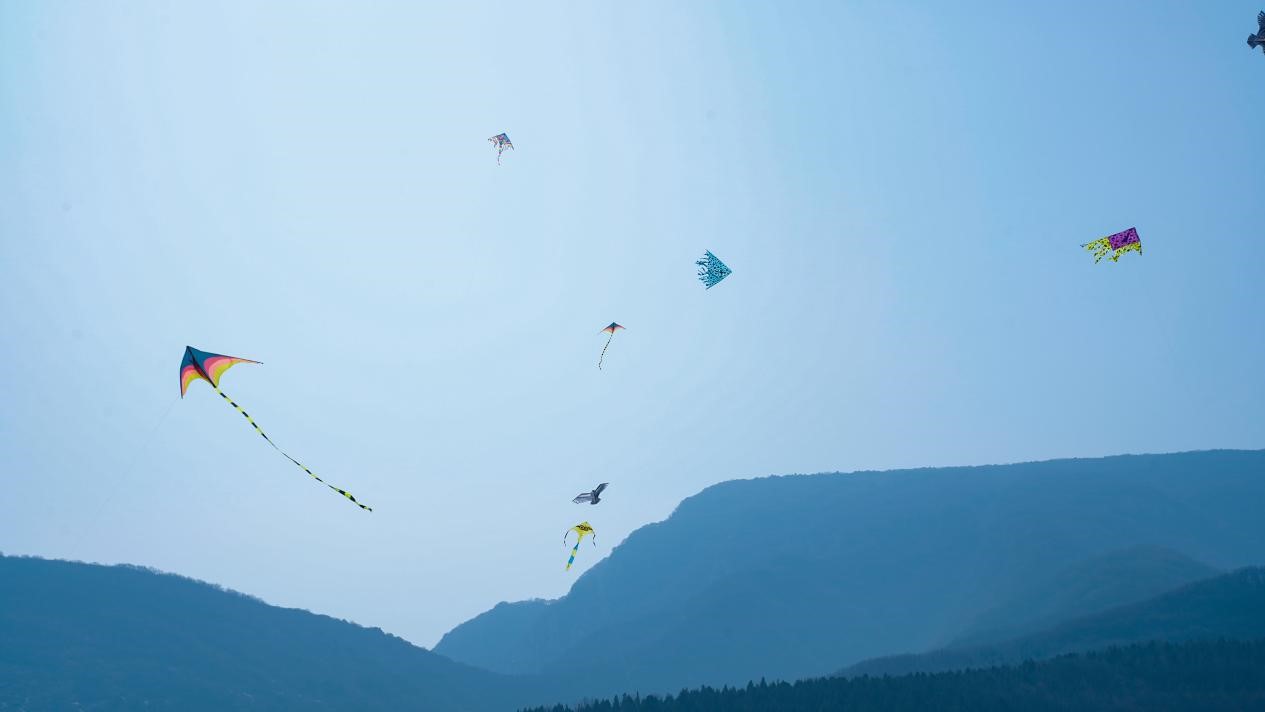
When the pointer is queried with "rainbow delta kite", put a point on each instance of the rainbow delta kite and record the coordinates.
(1115, 245)
(608, 330)
(209, 367)
(581, 530)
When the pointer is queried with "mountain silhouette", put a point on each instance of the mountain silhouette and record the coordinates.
(1100, 583)
(84, 636)
(799, 576)
(774, 578)
(1222, 675)
(1231, 606)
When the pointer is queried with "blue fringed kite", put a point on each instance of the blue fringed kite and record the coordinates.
(711, 270)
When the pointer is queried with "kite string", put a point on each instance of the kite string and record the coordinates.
(104, 503)
(301, 466)
(608, 343)
(150, 435)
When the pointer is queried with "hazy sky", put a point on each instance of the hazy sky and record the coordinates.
(901, 190)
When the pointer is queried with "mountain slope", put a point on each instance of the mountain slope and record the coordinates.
(501, 638)
(1157, 677)
(82, 636)
(790, 577)
(1120, 577)
(1231, 606)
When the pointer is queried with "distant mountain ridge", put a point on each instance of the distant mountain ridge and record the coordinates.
(1222, 675)
(1231, 606)
(798, 576)
(85, 636)
(1114, 579)
(777, 578)
(245, 655)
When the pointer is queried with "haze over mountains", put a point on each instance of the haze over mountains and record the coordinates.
(1222, 675)
(776, 578)
(1229, 607)
(84, 636)
(800, 576)
(1117, 578)
(1200, 647)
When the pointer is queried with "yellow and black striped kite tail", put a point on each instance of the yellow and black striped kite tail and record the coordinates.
(603, 355)
(303, 467)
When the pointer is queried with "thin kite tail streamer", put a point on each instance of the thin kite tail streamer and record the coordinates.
(301, 466)
(1100, 248)
(608, 343)
(571, 560)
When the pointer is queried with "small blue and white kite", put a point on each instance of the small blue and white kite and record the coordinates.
(711, 270)
(501, 142)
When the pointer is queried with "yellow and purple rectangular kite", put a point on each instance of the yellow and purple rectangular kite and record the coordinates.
(1115, 245)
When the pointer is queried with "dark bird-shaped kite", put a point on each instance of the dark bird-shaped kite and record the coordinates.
(1258, 39)
(591, 497)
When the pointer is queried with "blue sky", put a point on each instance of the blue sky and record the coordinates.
(901, 190)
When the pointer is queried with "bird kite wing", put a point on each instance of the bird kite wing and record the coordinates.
(583, 497)
(599, 489)
(209, 367)
(1260, 21)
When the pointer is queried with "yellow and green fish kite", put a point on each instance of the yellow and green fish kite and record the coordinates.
(209, 367)
(581, 530)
